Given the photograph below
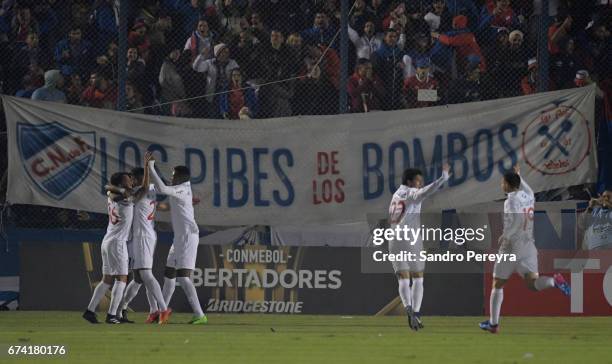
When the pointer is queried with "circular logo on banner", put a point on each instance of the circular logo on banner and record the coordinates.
(557, 141)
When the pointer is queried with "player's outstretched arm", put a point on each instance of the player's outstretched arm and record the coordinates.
(160, 186)
(146, 180)
(433, 187)
(524, 186)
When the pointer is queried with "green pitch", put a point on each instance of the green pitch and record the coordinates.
(310, 339)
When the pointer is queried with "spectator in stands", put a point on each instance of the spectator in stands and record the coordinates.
(74, 89)
(73, 54)
(161, 31)
(258, 29)
(376, 10)
(107, 63)
(582, 78)
(468, 88)
(136, 69)
(364, 88)
(467, 8)
(48, 23)
(294, 41)
(139, 39)
(559, 31)
(195, 87)
(595, 222)
(189, 13)
(513, 67)
(100, 92)
(51, 91)
(149, 13)
(237, 97)
(396, 16)
(218, 71)
(201, 41)
(275, 98)
(388, 65)
(317, 90)
(29, 54)
(439, 18)
(493, 50)
(273, 57)
(423, 79)
(244, 50)
(359, 16)
(565, 64)
(230, 15)
(529, 82)
(23, 23)
(172, 86)
(415, 16)
(366, 43)
(28, 87)
(321, 32)
(133, 99)
(423, 47)
(105, 18)
(598, 46)
(496, 14)
(463, 40)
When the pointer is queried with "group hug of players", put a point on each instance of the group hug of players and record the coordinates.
(130, 239)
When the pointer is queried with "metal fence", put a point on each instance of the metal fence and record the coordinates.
(241, 59)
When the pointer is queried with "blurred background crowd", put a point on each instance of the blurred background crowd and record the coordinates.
(210, 58)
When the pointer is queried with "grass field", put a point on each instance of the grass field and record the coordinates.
(310, 339)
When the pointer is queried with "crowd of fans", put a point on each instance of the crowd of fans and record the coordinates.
(405, 54)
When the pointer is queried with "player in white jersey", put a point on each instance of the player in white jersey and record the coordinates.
(517, 238)
(183, 253)
(405, 210)
(144, 239)
(114, 252)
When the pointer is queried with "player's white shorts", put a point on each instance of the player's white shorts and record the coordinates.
(114, 258)
(183, 252)
(143, 248)
(414, 265)
(526, 262)
(130, 250)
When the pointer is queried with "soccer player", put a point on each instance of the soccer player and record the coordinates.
(182, 256)
(143, 244)
(114, 252)
(517, 238)
(405, 210)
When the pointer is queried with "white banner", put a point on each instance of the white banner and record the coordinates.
(303, 170)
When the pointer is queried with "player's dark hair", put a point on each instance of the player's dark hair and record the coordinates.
(410, 174)
(512, 179)
(117, 178)
(137, 172)
(182, 173)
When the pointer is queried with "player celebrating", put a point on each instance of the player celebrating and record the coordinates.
(517, 238)
(182, 255)
(114, 252)
(405, 210)
(143, 244)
